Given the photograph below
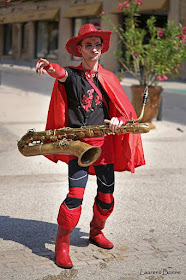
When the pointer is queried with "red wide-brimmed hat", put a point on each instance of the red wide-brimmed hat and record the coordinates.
(88, 30)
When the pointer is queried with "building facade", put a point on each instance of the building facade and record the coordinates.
(33, 29)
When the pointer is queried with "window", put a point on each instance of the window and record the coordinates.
(8, 39)
(24, 36)
(47, 39)
(78, 22)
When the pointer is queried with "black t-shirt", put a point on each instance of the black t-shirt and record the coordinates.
(84, 104)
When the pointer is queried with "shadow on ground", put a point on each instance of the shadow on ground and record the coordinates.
(35, 234)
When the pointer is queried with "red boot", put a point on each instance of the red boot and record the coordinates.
(67, 220)
(97, 224)
(62, 248)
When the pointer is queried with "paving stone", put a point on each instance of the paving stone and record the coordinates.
(86, 258)
(80, 255)
(4, 261)
(4, 271)
(101, 256)
(20, 260)
(15, 264)
(2, 265)
(24, 268)
(94, 262)
(79, 263)
(119, 258)
(90, 253)
(42, 267)
(40, 259)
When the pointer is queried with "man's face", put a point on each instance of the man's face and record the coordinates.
(90, 48)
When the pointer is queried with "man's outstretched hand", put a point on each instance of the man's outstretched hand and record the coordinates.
(43, 64)
(53, 69)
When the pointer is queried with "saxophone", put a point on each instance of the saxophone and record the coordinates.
(67, 140)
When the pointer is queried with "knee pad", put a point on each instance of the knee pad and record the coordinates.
(74, 197)
(105, 182)
(77, 177)
(105, 200)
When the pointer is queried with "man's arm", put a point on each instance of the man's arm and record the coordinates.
(54, 70)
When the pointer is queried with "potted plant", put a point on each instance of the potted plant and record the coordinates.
(148, 54)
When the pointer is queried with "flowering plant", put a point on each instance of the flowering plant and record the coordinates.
(151, 54)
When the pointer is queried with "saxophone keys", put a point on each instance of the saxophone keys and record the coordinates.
(63, 143)
(81, 135)
(49, 132)
(43, 138)
(90, 133)
(53, 138)
(72, 136)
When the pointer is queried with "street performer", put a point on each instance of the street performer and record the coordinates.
(90, 95)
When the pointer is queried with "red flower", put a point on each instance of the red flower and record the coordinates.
(139, 2)
(160, 32)
(182, 36)
(126, 4)
(162, 77)
(120, 7)
(102, 13)
(136, 53)
(184, 30)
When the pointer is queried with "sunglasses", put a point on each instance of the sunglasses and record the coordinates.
(90, 47)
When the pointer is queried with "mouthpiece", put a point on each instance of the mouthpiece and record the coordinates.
(145, 95)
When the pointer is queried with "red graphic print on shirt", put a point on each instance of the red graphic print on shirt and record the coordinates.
(87, 100)
(97, 100)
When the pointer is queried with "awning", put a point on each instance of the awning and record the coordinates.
(148, 5)
(83, 10)
(30, 15)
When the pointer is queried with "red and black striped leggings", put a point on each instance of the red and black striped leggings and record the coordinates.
(78, 177)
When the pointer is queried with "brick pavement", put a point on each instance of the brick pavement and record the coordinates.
(39, 263)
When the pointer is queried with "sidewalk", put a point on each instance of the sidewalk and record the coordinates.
(147, 227)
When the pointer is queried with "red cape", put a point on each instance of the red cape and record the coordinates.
(128, 150)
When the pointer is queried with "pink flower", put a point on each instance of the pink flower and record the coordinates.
(162, 77)
(182, 36)
(136, 53)
(139, 2)
(184, 30)
(160, 32)
(102, 13)
(126, 4)
(120, 7)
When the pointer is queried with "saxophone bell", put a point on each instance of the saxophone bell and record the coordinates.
(85, 153)
(89, 156)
